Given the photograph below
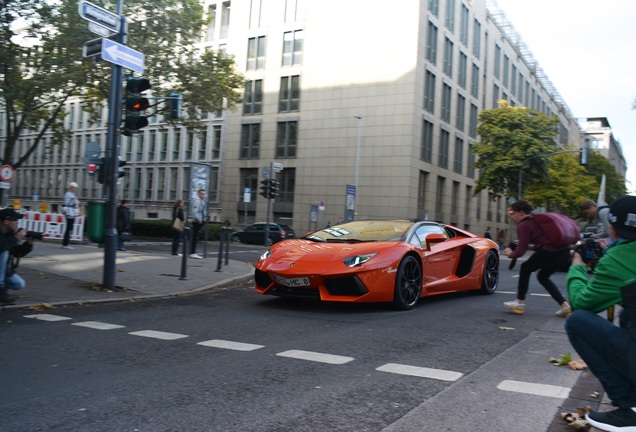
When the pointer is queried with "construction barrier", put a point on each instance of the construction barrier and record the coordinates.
(51, 225)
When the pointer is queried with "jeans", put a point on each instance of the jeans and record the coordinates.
(547, 263)
(610, 353)
(176, 239)
(69, 229)
(14, 281)
(196, 229)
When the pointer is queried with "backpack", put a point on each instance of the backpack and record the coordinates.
(560, 229)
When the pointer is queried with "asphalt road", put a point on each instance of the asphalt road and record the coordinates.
(233, 360)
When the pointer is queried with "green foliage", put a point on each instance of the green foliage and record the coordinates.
(163, 229)
(42, 66)
(512, 138)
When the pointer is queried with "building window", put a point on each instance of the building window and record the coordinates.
(429, 92)
(431, 43)
(458, 163)
(211, 32)
(253, 99)
(176, 145)
(463, 25)
(249, 179)
(150, 183)
(216, 142)
(289, 99)
(287, 185)
(189, 145)
(439, 197)
(256, 13)
(497, 67)
(292, 48)
(203, 144)
(506, 65)
(448, 57)
(450, 15)
(427, 141)
(472, 127)
(513, 80)
(495, 96)
(470, 172)
(250, 140)
(433, 6)
(474, 82)
(520, 90)
(421, 190)
(444, 138)
(477, 38)
(286, 139)
(294, 10)
(446, 102)
(461, 112)
(163, 153)
(463, 70)
(225, 19)
(256, 53)
(172, 184)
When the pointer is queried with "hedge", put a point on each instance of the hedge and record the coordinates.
(163, 229)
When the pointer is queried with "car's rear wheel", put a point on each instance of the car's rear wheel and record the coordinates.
(490, 278)
(408, 283)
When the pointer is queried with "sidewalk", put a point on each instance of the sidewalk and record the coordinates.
(56, 276)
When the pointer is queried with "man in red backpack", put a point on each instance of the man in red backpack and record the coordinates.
(547, 259)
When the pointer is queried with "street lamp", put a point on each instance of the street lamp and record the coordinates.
(355, 201)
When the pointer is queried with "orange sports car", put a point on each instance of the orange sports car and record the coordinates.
(395, 261)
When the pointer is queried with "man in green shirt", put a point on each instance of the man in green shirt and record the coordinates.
(608, 350)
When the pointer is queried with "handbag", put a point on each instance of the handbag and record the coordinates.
(125, 236)
(178, 224)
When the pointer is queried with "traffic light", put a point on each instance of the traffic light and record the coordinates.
(174, 102)
(120, 171)
(135, 105)
(100, 170)
(273, 188)
(264, 188)
(91, 169)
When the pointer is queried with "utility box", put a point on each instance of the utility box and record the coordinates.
(96, 220)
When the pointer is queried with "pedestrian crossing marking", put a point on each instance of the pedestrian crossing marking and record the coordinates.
(314, 356)
(158, 335)
(237, 346)
(423, 372)
(97, 325)
(48, 317)
(534, 389)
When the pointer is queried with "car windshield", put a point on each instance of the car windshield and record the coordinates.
(365, 231)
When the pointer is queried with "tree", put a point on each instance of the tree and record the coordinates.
(511, 139)
(41, 66)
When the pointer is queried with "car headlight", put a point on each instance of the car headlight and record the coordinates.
(265, 255)
(358, 260)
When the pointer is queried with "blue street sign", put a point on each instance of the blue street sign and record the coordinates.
(98, 15)
(121, 55)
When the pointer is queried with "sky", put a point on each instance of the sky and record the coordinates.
(587, 48)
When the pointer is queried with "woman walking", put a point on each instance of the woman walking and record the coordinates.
(177, 228)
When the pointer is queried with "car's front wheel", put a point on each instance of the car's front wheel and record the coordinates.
(408, 283)
(490, 278)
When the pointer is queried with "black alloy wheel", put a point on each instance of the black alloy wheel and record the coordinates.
(408, 283)
(490, 279)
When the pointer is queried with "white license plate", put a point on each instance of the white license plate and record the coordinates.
(293, 282)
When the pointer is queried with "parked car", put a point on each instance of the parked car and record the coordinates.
(395, 261)
(255, 233)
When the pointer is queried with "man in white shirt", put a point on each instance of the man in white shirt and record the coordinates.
(199, 215)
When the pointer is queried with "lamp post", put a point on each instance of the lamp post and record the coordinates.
(357, 172)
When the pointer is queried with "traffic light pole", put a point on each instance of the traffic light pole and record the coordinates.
(111, 163)
(269, 204)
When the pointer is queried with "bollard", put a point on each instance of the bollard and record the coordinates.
(228, 239)
(184, 255)
(220, 258)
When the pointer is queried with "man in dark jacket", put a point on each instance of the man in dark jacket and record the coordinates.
(12, 247)
(124, 224)
(547, 259)
(609, 351)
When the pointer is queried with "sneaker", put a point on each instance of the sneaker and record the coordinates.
(195, 256)
(176, 254)
(515, 307)
(619, 420)
(564, 312)
(67, 247)
(122, 249)
(5, 298)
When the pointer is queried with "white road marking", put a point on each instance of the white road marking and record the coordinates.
(237, 346)
(158, 335)
(48, 317)
(438, 374)
(534, 389)
(314, 356)
(97, 325)
(531, 294)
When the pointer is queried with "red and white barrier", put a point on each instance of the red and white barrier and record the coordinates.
(51, 225)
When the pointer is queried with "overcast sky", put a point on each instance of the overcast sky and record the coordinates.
(587, 48)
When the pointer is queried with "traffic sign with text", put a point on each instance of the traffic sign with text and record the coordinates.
(122, 55)
(105, 18)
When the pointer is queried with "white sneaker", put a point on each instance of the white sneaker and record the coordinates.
(564, 312)
(515, 307)
(195, 256)
(68, 247)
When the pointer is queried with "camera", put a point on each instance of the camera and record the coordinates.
(32, 234)
(589, 249)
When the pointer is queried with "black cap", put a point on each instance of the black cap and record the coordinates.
(9, 214)
(622, 216)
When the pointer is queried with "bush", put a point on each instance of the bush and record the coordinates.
(163, 229)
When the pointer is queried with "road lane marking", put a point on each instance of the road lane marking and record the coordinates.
(438, 374)
(315, 356)
(158, 335)
(97, 325)
(237, 346)
(534, 389)
(48, 317)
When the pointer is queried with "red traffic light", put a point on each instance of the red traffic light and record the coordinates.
(91, 168)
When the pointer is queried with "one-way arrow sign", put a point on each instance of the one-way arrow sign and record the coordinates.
(122, 55)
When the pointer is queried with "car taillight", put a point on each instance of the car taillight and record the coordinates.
(282, 234)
